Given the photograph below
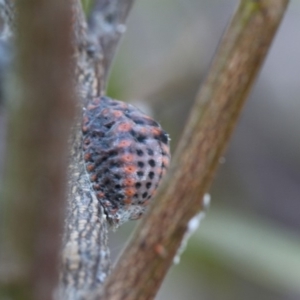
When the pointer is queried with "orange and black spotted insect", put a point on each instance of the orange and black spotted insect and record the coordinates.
(126, 155)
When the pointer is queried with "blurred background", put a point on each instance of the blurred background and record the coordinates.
(248, 246)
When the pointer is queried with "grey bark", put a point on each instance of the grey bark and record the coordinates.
(85, 254)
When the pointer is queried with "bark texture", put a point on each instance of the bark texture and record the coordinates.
(85, 254)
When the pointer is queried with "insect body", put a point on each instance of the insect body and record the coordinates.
(126, 155)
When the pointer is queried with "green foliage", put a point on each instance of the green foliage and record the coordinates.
(86, 4)
(256, 249)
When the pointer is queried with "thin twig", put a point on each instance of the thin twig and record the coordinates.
(41, 107)
(6, 19)
(142, 267)
(6, 12)
(107, 25)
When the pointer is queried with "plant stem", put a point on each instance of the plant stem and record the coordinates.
(142, 267)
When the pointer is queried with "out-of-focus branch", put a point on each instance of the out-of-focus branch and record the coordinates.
(6, 12)
(85, 254)
(142, 267)
(41, 108)
(6, 19)
(107, 25)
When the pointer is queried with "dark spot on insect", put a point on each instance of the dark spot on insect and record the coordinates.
(113, 153)
(94, 135)
(151, 175)
(139, 152)
(120, 196)
(133, 133)
(108, 126)
(163, 137)
(141, 164)
(142, 121)
(141, 138)
(102, 160)
(149, 197)
(148, 185)
(107, 181)
(115, 164)
(117, 186)
(152, 123)
(145, 195)
(140, 173)
(150, 151)
(151, 162)
(135, 195)
(139, 121)
(115, 206)
(138, 185)
(117, 176)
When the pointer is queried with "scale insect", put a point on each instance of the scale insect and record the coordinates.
(126, 155)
